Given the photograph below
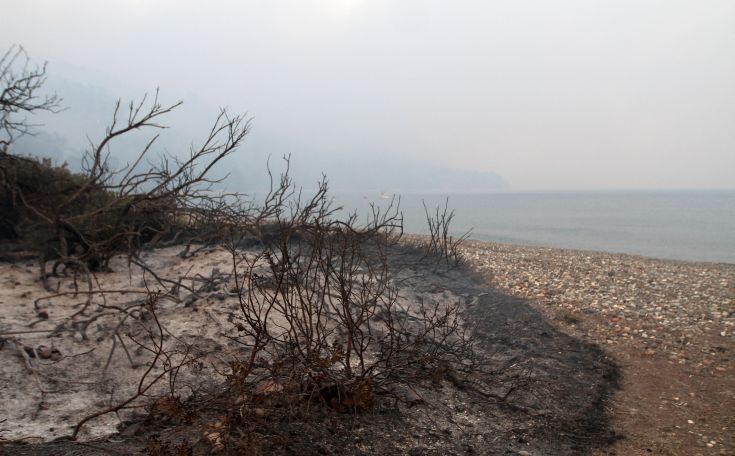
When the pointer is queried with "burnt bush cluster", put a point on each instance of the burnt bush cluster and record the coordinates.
(320, 310)
(319, 313)
(83, 219)
(47, 209)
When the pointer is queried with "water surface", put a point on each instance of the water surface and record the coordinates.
(682, 225)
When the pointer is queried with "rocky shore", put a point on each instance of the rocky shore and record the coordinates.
(669, 324)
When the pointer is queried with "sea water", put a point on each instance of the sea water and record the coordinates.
(680, 225)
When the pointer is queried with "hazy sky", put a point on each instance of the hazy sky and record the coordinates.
(552, 95)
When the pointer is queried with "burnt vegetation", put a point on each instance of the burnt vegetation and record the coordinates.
(324, 329)
(318, 319)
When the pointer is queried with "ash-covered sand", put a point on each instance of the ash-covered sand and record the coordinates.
(43, 398)
(573, 343)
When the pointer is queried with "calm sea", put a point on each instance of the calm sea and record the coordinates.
(693, 226)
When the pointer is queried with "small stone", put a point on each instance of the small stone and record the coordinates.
(412, 397)
(189, 300)
(132, 430)
(44, 351)
(690, 421)
(79, 337)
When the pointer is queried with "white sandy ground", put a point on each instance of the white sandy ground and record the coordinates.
(42, 399)
(48, 404)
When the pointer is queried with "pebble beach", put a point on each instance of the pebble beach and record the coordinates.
(650, 302)
(669, 325)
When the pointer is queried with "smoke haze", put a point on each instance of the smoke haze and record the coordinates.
(520, 95)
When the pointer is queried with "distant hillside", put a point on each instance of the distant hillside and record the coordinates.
(394, 175)
(90, 98)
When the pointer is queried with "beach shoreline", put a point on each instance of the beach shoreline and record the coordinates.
(669, 324)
